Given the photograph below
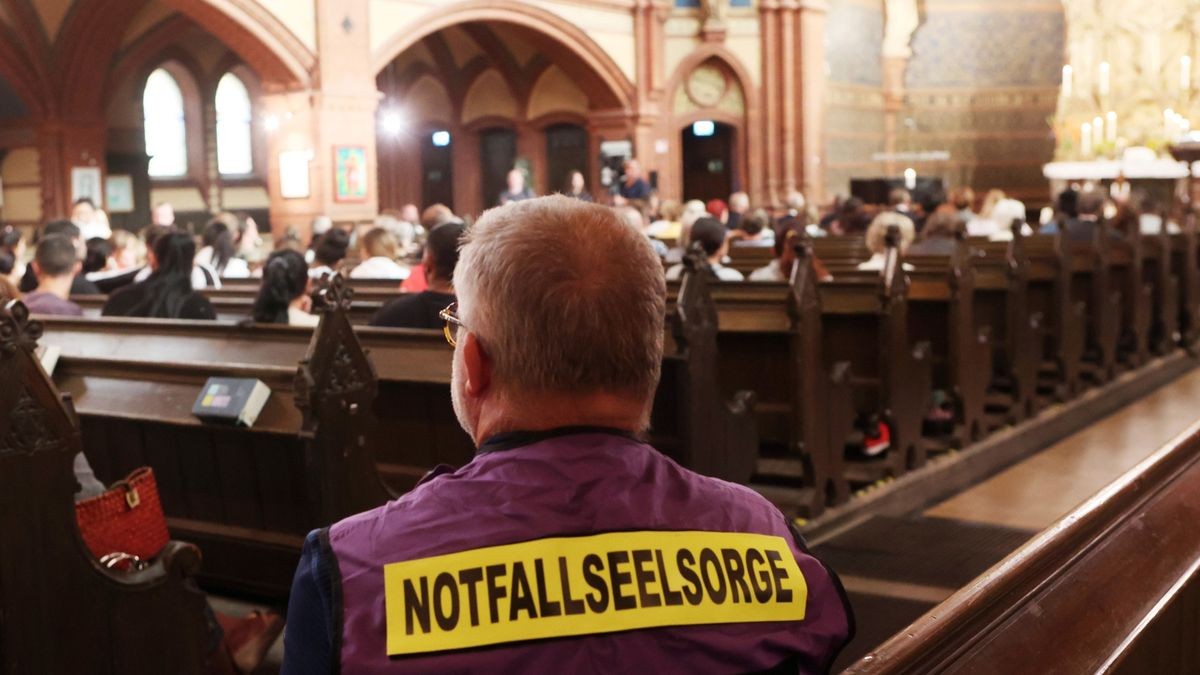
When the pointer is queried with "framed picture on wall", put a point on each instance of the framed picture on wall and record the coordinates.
(85, 182)
(118, 194)
(350, 173)
(293, 173)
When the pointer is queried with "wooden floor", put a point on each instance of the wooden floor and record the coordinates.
(896, 569)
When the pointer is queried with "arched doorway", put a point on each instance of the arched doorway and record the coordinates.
(708, 167)
(514, 85)
(437, 168)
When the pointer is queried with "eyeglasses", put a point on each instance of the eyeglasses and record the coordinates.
(453, 323)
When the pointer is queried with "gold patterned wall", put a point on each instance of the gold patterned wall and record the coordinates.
(1130, 62)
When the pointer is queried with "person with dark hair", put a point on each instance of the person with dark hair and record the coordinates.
(780, 268)
(420, 310)
(96, 258)
(711, 235)
(283, 295)
(218, 252)
(940, 234)
(79, 285)
(851, 219)
(576, 187)
(1082, 228)
(167, 293)
(753, 231)
(329, 251)
(56, 265)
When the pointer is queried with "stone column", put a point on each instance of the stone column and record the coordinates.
(810, 29)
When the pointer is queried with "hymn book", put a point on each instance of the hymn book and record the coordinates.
(231, 400)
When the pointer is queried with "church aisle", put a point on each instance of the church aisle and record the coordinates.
(1035, 493)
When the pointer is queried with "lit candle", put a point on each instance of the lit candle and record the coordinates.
(1185, 73)
(910, 179)
(1067, 80)
(1097, 130)
(1110, 126)
(1085, 139)
(1104, 78)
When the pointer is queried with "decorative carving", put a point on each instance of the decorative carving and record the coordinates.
(17, 330)
(30, 428)
(331, 293)
(344, 376)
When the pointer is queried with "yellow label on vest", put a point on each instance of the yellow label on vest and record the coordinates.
(601, 583)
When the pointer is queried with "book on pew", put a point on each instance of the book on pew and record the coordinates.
(48, 355)
(231, 400)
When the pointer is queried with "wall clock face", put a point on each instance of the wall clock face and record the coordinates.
(706, 85)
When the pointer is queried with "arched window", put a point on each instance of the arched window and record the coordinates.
(234, 118)
(166, 128)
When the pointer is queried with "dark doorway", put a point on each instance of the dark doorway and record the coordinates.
(497, 153)
(708, 162)
(566, 151)
(437, 170)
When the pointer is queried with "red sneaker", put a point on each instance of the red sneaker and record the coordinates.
(879, 443)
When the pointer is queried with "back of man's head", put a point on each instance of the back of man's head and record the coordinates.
(55, 256)
(739, 202)
(565, 297)
(898, 197)
(710, 233)
(796, 201)
(442, 246)
(64, 227)
(1090, 203)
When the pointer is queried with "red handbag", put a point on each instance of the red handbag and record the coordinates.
(126, 523)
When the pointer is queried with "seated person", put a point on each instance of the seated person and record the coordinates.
(56, 266)
(669, 223)
(711, 235)
(633, 215)
(780, 269)
(217, 252)
(421, 310)
(79, 285)
(202, 276)
(96, 255)
(329, 252)
(876, 239)
(378, 249)
(167, 293)
(1005, 213)
(753, 231)
(557, 358)
(283, 295)
(516, 190)
(1082, 228)
(940, 236)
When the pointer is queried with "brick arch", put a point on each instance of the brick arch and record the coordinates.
(561, 41)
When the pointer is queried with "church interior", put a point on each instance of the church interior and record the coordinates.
(932, 293)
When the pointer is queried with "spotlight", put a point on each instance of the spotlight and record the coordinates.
(704, 128)
(271, 122)
(441, 138)
(392, 123)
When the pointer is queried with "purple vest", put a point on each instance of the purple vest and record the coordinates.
(563, 495)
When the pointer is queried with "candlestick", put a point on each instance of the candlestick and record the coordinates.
(1068, 77)
(1110, 126)
(1104, 68)
(1085, 139)
(1185, 74)
(1097, 130)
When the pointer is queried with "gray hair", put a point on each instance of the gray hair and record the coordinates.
(565, 296)
(795, 200)
(877, 231)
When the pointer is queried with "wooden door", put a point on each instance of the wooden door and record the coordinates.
(708, 163)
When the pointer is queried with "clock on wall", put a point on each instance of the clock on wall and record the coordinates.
(706, 86)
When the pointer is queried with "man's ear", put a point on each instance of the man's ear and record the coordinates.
(478, 365)
(78, 268)
(37, 269)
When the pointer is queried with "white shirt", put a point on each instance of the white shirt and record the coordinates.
(1151, 223)
(723, 273)
(299, 317)
(379, 267)
(768, 272)
(875, 264)
(982, 227)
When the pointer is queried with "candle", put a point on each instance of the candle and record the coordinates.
(1104, 78)
(1110, 127)
(1068, 74)
(1185, 74)
(1085, 139)
(1097, 130)
(910, 179)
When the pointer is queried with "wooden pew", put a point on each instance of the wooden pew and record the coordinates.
(1001, 271)
(1159, 273)
(237, 305)
(61, 611)
(1049, 286)
(1112, 587)
(770, 340)
(1184, 251)
(865, 322)
(746, 259)
(247, 497)
(1126, 263)
(1091, 284)
(942, 313)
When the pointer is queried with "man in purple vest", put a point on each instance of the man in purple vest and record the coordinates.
(567, 545)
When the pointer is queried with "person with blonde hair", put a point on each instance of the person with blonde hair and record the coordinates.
(669, 223)
(378, 250)
(876, 238)
(558, 338)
